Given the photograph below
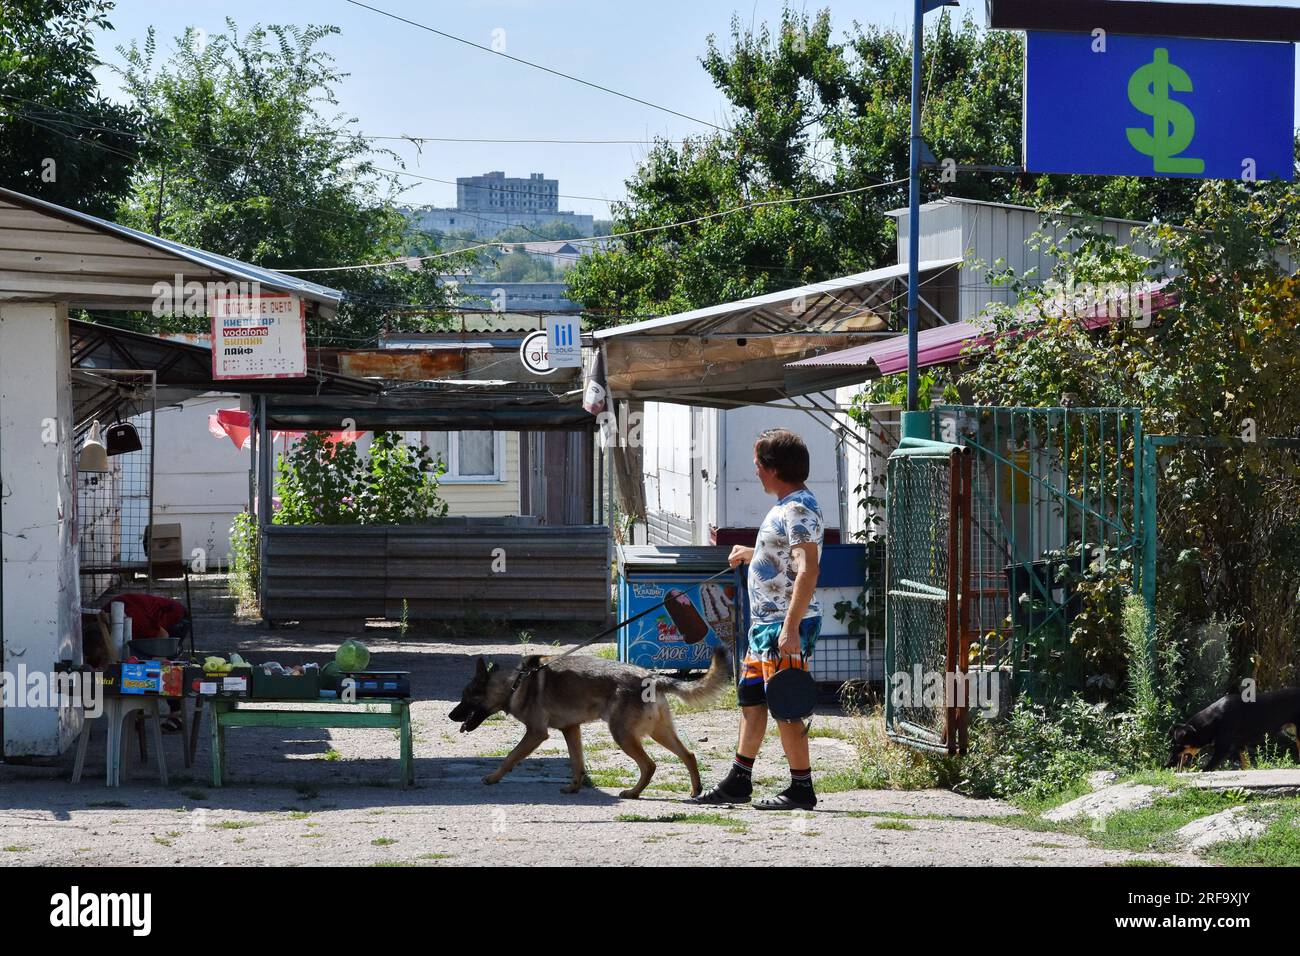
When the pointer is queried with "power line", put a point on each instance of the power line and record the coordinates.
(538, 66)
(773, 268)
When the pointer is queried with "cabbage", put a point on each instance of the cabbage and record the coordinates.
(352, 656)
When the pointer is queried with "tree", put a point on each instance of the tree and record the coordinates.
(1222, 365)
(240, 160)
(812, 115)
(59, 138)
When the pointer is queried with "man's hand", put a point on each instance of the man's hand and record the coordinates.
(740, 555)
(788, 643)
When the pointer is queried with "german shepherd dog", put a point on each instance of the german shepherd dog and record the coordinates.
(573, 691)
(1230, 725)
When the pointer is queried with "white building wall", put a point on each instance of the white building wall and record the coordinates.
(200, 482)
(698, 464)
(992, 236)
(39, 589)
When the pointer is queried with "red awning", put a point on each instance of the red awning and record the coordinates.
(234, 424)
(937, 346)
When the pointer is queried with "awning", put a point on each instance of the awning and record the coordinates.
(49, 253)
(182, 370)
(478, 405)
(736, 353)
(936, 346)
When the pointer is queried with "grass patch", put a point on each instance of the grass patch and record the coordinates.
(1279, 845)
(706, 819)
(832, 732)
(235, 825)
(15, 848)
(607, 652)
(383, 841)
(332, 754)
(434, 856)
(893, 825)
(884, 765)
(725, 701)
(1147, 829)
(610, 776)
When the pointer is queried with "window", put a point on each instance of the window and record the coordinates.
(469, 456)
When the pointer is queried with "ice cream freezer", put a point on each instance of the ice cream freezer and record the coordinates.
(647, 573)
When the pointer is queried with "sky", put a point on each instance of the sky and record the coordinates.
(406, 81)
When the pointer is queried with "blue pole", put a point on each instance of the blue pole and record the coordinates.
(914, 206)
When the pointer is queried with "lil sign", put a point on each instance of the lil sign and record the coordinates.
(564, 341)
(1159, 106)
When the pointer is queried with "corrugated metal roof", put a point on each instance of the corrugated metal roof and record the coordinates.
(77, 269)
(833, 305)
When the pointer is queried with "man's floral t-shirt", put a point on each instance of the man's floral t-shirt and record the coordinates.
(795, 519)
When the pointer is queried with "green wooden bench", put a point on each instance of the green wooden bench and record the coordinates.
(230, 712)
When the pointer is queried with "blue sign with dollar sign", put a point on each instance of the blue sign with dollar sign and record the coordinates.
(1159, 106)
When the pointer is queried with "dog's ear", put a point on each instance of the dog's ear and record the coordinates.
(481, 668)
(1181, 731)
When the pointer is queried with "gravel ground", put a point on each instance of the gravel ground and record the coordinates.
(329, 797)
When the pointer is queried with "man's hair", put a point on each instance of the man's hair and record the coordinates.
(783, 451)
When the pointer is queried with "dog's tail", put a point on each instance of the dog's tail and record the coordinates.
(702, 691)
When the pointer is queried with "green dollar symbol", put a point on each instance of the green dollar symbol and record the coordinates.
(1173, 123)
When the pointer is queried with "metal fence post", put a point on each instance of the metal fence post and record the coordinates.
(1148, 526)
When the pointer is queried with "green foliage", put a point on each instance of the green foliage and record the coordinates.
(400, 484)
(811, 114)
(1039, 752)
(321, 482)
(51, 107)
(239, 159)
(892, 390)
(1220, 365)
(244, 558)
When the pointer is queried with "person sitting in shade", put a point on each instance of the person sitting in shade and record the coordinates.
(153, 615)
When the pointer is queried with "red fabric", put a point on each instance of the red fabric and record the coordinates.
(233, 423)
(150, 613)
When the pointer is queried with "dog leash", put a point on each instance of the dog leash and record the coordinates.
(524, 673)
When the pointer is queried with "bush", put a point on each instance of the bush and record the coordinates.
(1048, 747)
(244, 558)
(321, 482)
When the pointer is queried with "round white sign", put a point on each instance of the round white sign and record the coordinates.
(534, 355)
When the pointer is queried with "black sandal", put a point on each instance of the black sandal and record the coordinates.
(172, 725)
(785, 801)
(718, 797)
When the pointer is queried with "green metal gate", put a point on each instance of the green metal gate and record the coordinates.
(1054, 501)
(927, 573)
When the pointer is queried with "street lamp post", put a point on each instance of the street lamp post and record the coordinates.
(916, 424)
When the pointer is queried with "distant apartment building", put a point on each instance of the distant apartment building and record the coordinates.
(495, 192)
(492, 203)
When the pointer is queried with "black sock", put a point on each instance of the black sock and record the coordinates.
(801, 779)
(740, 778)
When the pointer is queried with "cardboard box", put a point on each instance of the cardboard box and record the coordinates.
(234, 684)
(147, 678)
(165, 550)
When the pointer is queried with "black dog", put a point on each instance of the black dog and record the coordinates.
(1231, 724)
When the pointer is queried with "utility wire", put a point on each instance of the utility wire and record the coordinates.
(539, 66)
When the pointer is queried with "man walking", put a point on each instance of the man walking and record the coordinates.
(785, 619)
